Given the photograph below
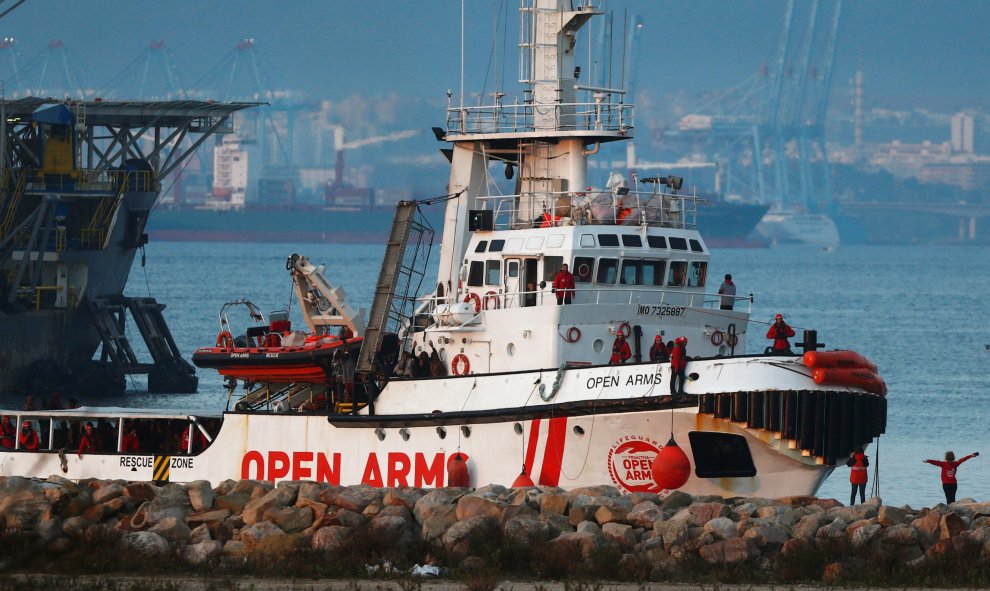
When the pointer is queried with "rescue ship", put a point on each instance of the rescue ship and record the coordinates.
(530, 396)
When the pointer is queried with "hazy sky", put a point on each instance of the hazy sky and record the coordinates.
(909, 49)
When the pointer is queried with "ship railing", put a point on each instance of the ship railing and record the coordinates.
(55, 428)
(529, 117)
(568, 208)
(92, 181)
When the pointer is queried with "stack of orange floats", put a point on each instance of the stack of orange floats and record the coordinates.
(844, 368)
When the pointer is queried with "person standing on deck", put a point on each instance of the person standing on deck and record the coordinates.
(620, 350)
(779, 333)
(89, 443)
(678, 366)
(728, 292)
(858, 462)
(659, 352)
(563, 285)
(28, 437)
(949, 467)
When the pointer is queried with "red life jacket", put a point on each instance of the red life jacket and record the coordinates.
(858, 473)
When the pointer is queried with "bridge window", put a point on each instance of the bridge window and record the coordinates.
(653, 272)
(631, 240)
(588, 240)
(607, 270)
(678, 243)
(497, 246)
(656, 242)
(535, 243)
(608, 240)
(632, 272)
(697, 276)
(476, 275)
(555, 241)
(696, 246)
(514, 244)
(582, 269)
(678, 272)
(550, 267)
(493, 272)
(482, 245)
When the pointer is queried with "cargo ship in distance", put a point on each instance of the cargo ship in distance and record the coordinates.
(724, 224)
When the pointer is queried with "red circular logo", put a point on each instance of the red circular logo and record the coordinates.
(630, 461)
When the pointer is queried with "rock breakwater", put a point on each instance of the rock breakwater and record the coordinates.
(543, 532)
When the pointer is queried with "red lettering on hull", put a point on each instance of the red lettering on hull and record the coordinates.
(297, 466)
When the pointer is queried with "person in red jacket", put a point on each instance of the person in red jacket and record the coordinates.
(949, 467)
(89, 442)
(859, 462)
(659, 352)
(7, 432)
(779, 332)
(563, 285)
(28, 437)
(620, 350)
(129, 441)
(678, 366)
(199, 440)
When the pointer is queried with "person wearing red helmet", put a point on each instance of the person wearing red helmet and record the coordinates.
(28, 437)
(88, 443)
(949, 467)
(779, 333)
(678, 366)
(659, 352)
(620, 350)
(7, 432)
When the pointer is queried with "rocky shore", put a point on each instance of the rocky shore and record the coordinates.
(539, 532)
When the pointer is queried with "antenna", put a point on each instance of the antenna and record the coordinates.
(462, 58)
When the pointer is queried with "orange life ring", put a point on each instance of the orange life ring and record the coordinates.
(732, 340)
(625, 330)
(573, 334)
(717, 337)
(456, 365)
(225, 340)
(475, 299)
(491, 301)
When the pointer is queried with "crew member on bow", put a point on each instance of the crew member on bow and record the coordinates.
(563, 285)
(659, 352)
(678, 366)
(727, 291)
(620, 350)
(779, 333)
(28, 437)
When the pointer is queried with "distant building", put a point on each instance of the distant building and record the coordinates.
(962, 133)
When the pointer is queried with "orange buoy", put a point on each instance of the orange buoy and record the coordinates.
(859, 377)
(457, 471)
(671, 468)
(523, 480)
(843, 359)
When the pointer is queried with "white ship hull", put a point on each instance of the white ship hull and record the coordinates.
(604, 425)
(799, 228)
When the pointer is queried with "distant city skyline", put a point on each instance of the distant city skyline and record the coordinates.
(913, 52)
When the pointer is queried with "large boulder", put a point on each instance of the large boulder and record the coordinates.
(470, 506)
(330, 539)
(461, 538)
(644, 514)
(146, 543)
(863, 535)
(433, 501)
(554, 503)
(201, 496)
(438, 521)
(175, 531)
(403, 497)
(202, 553)
(108, 492)
(888, 516)
(807, 527)
(729, 551)
(252, 536)
(290, 519)
(357, 498)
(722, 528)
(522, 531)
(705, 512)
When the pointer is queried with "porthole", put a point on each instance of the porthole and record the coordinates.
(518, 428)
(510, 349)
(598, 345)
(578, 430)
(466, 430)
(441, 432)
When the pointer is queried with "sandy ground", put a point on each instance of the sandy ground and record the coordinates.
(128, 583)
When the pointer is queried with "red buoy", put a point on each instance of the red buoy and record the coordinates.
(457, 471)
(523, 480)
(671, 468)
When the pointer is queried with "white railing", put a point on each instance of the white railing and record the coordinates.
(522, 117)
(565, 208)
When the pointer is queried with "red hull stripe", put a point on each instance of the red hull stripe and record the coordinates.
(534, 439)
(553, 455)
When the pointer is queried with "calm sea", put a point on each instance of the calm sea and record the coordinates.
(920, 313)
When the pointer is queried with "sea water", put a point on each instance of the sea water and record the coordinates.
(918, 312)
